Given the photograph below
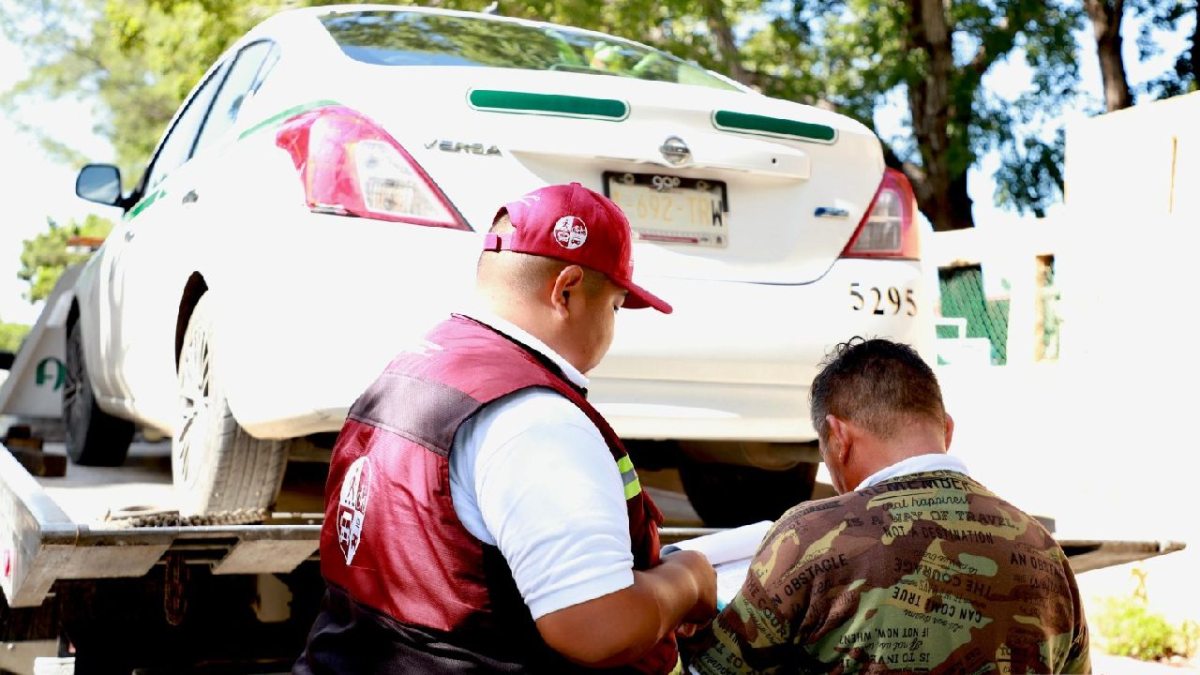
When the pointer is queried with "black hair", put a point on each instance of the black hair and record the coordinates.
(877, 384)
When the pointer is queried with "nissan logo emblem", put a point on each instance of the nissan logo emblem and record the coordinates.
(675, 151)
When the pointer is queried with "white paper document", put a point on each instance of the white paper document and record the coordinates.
(729, 552)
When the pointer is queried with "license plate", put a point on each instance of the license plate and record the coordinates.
(671, 209)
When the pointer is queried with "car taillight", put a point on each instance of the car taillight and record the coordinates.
(350, 166)
(888, 230)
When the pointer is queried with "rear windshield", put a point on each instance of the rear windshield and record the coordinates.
(397, 38)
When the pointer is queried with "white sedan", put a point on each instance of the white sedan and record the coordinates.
(319, 201)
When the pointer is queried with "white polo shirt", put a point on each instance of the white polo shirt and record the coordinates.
(938, 461)
(531, 475)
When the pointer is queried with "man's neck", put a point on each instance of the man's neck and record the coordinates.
(520, 333)
(933, 461)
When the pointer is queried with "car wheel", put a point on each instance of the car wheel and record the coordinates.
(93, 437)
(727, 495)
(217, 465)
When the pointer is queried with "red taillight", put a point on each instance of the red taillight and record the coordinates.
(889, 229)
(350, 166)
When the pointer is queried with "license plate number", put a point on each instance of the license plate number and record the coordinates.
(672, 209)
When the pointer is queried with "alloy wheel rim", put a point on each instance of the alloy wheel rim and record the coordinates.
(196, 408)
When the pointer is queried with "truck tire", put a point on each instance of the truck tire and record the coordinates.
(215, 464)
(728, 495)
(93, 437)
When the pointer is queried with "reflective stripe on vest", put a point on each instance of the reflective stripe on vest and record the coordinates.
(629, 477)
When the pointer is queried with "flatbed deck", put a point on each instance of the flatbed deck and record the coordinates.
(78, 527)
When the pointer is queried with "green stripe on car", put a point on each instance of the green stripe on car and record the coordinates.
(290, 112)
(561, 105)
(747, 123)
(144, 203)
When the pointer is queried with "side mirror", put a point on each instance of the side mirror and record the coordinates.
(100, 183)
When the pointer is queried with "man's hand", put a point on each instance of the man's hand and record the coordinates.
(705, 576)
(617, 628)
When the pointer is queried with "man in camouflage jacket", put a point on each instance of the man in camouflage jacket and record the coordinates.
(914, 567)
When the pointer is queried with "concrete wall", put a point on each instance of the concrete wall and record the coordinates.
(1139, 163)
(1129, 260)
(1130, 268)
(1104, 440)
(1124, 246)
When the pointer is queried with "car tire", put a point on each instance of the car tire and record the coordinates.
(93, 437)
(216, 465)
(727, 495)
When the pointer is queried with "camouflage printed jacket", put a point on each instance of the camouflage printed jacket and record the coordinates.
(927, 572)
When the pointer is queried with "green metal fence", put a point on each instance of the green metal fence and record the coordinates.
(962, 296)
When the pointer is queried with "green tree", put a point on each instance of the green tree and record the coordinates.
(1107, 19)
(857, 55)
(12, 335)
(136, 58)
(139, 58)
(1169, 15)
(46, 256)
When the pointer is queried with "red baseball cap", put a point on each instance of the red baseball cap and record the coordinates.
(576, 225)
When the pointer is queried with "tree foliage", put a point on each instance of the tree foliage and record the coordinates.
(1107, 18)
(139, 58)
(45, 257)
(12, 335)
(856, 55)
(1170, 15)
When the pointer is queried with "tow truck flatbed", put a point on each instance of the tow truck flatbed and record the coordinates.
(57, 530)
(54, 529)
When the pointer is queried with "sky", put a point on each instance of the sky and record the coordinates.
(34, 186)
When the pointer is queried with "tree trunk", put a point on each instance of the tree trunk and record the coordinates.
(1106, 16)
(942, 190)
(722, 32)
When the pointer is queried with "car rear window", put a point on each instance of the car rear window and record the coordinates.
(398, 38)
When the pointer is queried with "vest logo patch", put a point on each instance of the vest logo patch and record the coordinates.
(352, 508)
(570, 232)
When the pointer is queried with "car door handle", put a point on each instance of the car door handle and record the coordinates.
(129, 235)
(191, 197)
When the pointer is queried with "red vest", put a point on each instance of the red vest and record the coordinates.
(400, 566)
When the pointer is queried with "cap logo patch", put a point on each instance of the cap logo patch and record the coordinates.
(570, 232)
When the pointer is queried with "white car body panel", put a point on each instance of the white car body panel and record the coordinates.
(311, 307)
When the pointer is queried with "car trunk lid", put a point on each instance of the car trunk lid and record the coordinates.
(791, 182)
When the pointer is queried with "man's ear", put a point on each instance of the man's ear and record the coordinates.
(949, 430)
(841, 437)
(568, 281)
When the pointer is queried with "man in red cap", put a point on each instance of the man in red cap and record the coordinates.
(481, 515)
